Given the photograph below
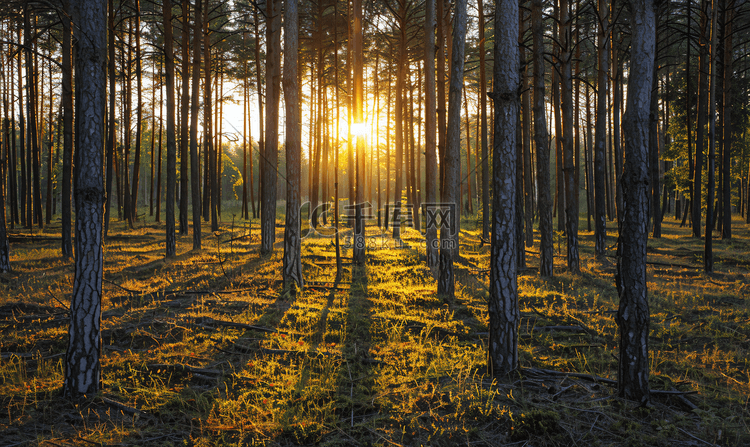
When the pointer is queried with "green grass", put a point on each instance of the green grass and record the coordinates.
(379, 359)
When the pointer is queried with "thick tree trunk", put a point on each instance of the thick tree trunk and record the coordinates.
(271, 149)
(452, 159)
(503, 305)
(292, 243)
(633, 313)
(600, 144)
(82, 367)
(171, 143)
(546, 260)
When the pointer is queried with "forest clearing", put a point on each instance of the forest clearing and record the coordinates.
(374, 222)
(205, 349)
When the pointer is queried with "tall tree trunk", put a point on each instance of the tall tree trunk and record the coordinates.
(271, 151)
(503, 304)
(633, 313)
(708, 256)
(139, 115)
(67, 105)
(292, 243)
(35, 199)
(546, 260)
(399, 117)
(727, 118)
(566, 91)
(528, 184)
(24, 190)
(600, 145)
(261, 119)
(184, 112)
(171, 143)
(701, 119)
(245, 126)
(483, 112)
(452, 159)
(82, 367)
(208, 138)
(194, 108)
(360, 245)
(656, 214)
(431, 172)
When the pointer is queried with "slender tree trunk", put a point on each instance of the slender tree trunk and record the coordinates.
(360, 244)
(708, 257)
(600, 145)
(35, 199)
(261, 109)
(245, 125)
(431, 169)
(67, 105)
(571, 192)
(139, 117)
(528, 184)
(184, 106)
(208, 138)
(727, 119)
(701, 120)
(82, 367)
(483, 113)
(633, 313)
(654, 155)
(399, 117)
(271, 152)
(171, 143)
(503, 304)
(452, 159)
(546, 260)
(292, 243)
(194, 108)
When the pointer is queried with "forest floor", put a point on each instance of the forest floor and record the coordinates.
(204, 349)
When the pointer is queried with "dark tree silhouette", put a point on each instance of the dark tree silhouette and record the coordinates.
(82, 367)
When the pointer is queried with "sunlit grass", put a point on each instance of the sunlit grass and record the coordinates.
(378, 358)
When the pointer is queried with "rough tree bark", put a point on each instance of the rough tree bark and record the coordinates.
(600, 142)
(184, 106)
(452, 159)
(271, 149)
(503, 304)
(171, 143)
(633, 313)
(82, 367)
(292, 243)
(546, 260)
(194, 107)
(569, 171)
(67, 106)
(431, 172)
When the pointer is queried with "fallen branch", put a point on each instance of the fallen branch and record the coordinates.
(178, 367)
(207, 320)
(589, 377)
(122, 407)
